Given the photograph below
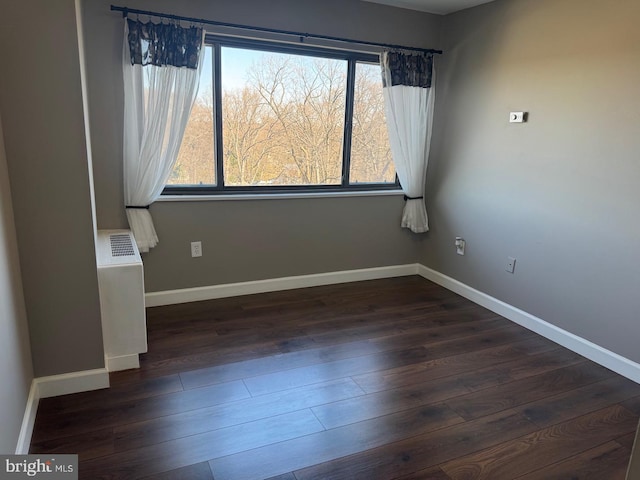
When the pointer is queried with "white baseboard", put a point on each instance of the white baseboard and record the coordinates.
(170, 297)
(123, 362)
(590, 350)
(28, 420)
(53, 386)
(72, 382)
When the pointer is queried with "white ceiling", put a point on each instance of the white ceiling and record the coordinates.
(441, 7)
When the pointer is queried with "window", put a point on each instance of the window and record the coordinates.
(280, 118)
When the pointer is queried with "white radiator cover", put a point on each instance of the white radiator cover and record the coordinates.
(121, 286)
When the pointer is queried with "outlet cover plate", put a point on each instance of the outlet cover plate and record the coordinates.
(516, 117)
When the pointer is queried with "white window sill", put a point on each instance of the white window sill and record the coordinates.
(276, 196)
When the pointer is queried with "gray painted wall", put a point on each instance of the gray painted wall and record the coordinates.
(260, 239)
(561, 192)
(41, 107)
(16, 371)
(249, 240)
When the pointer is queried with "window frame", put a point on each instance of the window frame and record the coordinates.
(217, 42)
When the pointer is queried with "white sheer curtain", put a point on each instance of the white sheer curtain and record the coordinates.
(409, 97)
(160, 87)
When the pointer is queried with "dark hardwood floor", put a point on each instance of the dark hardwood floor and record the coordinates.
(395, 378)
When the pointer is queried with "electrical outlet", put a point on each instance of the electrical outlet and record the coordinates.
(196, 249)
(460, 244)
(511, 264)
(517, 117)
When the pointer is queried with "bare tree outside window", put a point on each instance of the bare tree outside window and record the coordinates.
(195, 164)
(283, 123)
(291, 127)
(370, 152)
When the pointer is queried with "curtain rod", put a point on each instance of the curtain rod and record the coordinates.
(125, 11)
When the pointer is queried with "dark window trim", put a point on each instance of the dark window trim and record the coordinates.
(294, 49)
(267, 189)
(217, 105)
(216, 42)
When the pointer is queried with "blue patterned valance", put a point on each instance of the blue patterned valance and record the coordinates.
(162, 44)
(414, 69)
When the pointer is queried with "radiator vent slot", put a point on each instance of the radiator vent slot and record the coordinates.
(121, 245)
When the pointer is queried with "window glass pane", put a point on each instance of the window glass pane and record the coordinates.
(195, 164)
(282, 118)
(370, 153)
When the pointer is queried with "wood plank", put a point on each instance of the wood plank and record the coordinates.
(57, 426)
(557, 443)
(169, 365)
(632, 404)
(284, 476)
(435, 338)
(434, 473)
(174, 454)
(480, 341)
(522, 391)
(276, 363)
(451, 365)
(395, 334)
(95, 443)
(365, 407)
(263, 344)
(387, 324)
(416, 453)
(608, 460)
(284, 457)
(360, 408)
(627, 441)
(170, 427)
(69, 404)
(298, 377)
(567, 405)
(383, 304)
(400, 355)
(271, 314)
(198, 471)
(319, 315)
